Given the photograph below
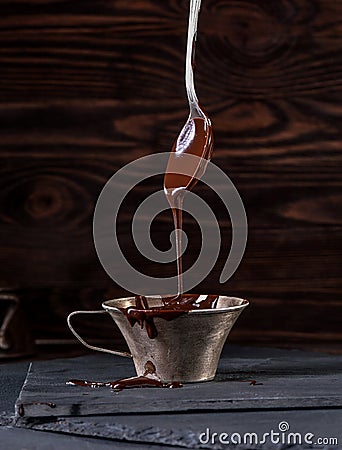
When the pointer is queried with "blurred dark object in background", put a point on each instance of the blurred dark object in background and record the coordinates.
(15, 338)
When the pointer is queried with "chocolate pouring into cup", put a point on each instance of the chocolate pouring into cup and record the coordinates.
(186, 348)
(195, 138)
(179, 338)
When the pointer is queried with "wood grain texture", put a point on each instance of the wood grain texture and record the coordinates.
(87, 86)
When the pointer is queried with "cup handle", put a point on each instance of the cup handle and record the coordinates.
(92, 347)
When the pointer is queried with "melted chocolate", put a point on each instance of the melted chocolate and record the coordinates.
(251, 382)
(196, 138)
(143, 315)
(143, 382)
(125, 383)
(172, 308)
(149, 379)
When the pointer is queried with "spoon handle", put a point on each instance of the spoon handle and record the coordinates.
(195, 110)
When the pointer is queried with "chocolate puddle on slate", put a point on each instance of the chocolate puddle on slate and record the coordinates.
(149, 379)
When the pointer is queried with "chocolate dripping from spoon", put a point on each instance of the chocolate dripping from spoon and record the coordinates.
(196, 138)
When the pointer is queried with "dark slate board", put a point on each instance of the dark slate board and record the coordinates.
(15, 439)
(183, 430)
(290, 378)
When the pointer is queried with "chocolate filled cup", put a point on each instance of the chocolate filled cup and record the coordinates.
(187, 345)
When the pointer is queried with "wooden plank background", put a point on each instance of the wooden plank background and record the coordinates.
(89, 85)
